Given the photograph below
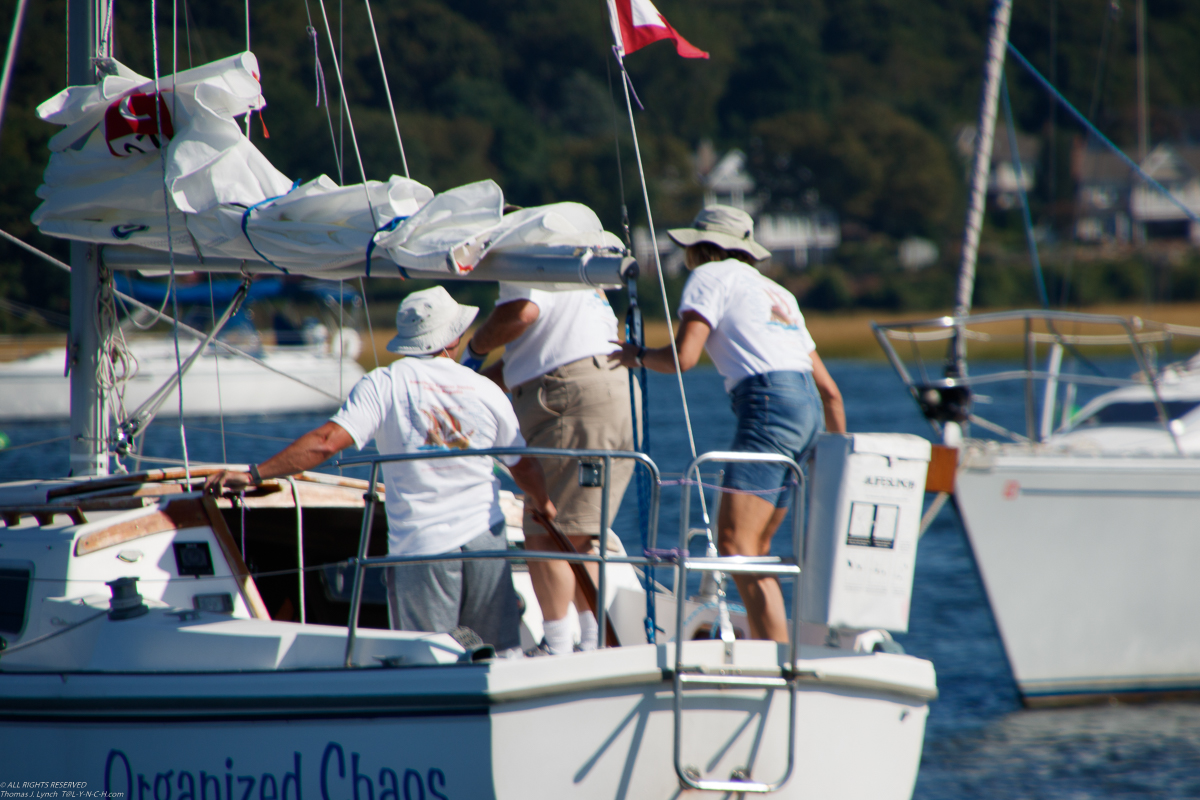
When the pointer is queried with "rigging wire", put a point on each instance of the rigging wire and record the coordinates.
(1112, 14)
(124, 298)
(212, 309)
(341, 336)
(387, 91)
(662, 284)
(1091, 128)
(658, 262)
(319, 80)
(339, 54)
(162, 151)
(1018, 170)
(638, 388)
(362, 288)
(337, 67)
(626, 84)
(10, 55)
(187, 35)
(250, 113)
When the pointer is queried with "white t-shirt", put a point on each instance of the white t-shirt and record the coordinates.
(433, 404)
(757, 326)
(570, 326)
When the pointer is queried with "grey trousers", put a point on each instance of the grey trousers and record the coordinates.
(441, 595)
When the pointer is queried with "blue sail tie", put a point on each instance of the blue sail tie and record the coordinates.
(246, 221)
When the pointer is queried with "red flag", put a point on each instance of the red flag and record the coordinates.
(637, 23)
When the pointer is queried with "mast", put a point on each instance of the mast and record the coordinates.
(89, 428)
(980, 167)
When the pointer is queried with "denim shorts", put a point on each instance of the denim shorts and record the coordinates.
(777, 412)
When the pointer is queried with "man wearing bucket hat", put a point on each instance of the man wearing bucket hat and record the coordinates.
(781, 392)
(427, 401)
(566, 396)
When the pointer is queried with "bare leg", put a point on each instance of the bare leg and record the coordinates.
(553, 581)
(583, 544)
(744, 528)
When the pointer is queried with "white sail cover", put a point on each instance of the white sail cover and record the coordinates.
(109, 182)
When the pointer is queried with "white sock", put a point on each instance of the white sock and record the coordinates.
(558, 635)
(588, 628)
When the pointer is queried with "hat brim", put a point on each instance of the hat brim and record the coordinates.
(686, 237)
(434, 342)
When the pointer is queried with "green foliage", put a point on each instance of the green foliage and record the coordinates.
(855, 99)
(874, 164)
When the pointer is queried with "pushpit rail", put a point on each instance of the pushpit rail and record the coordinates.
(762, 565)
(1031, 328)
(361, 563)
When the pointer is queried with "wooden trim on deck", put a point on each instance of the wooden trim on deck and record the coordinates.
(233, 557)
(174, 516)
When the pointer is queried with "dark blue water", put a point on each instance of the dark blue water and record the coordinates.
(980, 743)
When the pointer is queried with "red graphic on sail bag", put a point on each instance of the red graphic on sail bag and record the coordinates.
(131, 125)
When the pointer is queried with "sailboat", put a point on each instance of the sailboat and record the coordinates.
(1081, 520)
(142, 654)
(305, 369)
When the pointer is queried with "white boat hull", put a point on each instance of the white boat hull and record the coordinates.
(203, 695)
(594, 725)
(35, 389)
(1089, 565)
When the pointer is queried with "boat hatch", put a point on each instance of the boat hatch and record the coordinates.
(1125, 412)
(15, 582)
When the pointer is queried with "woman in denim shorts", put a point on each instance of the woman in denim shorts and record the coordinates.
(781, 392)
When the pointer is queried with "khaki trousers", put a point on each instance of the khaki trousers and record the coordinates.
(583, 405)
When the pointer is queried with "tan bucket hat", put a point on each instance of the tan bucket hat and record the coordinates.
(429, 320)
(724, 226)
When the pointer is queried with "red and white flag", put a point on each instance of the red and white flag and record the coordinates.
(637, 23)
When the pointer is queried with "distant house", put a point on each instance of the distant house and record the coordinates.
(725, 180)
(1003, 183)
(795, 238)
(1115, 206)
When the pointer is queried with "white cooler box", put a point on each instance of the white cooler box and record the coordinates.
(864, 514)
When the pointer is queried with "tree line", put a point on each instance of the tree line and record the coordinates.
(856, 100)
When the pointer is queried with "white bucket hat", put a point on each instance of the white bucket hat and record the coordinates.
(429, 320)
(724, 226)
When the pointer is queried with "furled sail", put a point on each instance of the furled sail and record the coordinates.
(105, 183)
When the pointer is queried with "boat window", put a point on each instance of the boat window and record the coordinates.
(1140, 411)
(14, 598)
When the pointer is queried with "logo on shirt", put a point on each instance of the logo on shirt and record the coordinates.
(781, 313)
(445, 431)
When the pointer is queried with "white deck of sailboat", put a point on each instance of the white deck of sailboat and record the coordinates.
(176, 678)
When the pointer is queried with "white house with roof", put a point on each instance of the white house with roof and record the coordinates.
(1115, 205)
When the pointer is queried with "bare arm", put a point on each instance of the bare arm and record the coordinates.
(690, 340)
(527, 474)
(504, 324)
(831, 396)
(495, 374)
(310, 450)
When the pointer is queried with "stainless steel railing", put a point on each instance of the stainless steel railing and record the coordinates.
(760, 565)
(1032, 328)
(362, 562)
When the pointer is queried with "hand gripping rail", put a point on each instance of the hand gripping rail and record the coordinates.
(761, 565)
(362, 562)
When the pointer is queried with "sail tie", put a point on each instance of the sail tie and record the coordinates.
(246, 222)
(388, 228)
